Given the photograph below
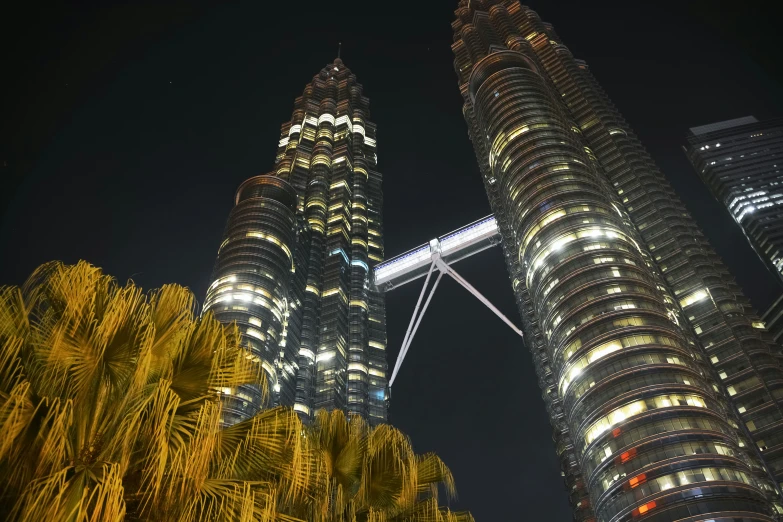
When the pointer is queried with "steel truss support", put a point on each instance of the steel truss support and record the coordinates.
(443, 268)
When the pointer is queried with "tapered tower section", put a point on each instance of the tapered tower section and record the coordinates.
(252, 287)
(616, 286)
(332, 349)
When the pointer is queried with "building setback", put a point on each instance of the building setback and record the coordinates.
(741, 161)
(292, 270)
(664, 396)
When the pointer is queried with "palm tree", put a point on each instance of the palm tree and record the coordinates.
(374, 475)
(110, 410)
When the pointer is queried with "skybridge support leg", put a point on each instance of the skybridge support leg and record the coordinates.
(443, 268)
(415, 321)
(404, 350)
(415, 312)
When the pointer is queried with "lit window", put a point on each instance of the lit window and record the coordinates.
(325, 356)
(635, 408)
(693, 298)
(357, 367)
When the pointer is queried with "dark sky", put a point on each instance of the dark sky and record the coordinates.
(126, 129)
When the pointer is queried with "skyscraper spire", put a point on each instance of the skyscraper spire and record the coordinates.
(659, 382)
(339, 49)
(293, 268)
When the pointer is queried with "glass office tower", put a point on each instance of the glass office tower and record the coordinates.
(741, 161)
(293, 267)
(664, 397)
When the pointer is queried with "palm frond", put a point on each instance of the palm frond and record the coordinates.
(16, 406)
(428, 511)
(13, 314)
(172, 309)
(44, 498)
(432, 472)
(343, 445)
(389, 475)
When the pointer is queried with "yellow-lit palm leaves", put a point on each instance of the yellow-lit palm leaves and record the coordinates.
(109, 411)
(374, 475)
(108, 405)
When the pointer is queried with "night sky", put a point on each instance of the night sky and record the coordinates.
(126, 130)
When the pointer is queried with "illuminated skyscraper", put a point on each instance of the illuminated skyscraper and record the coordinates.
(664, 397)
(741, 161)
(292, 270)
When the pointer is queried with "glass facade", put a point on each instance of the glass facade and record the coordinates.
(323, 332)
(662, 391)
(741, 161)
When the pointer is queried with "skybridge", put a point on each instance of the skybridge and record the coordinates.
(437, 255)
(454, 246)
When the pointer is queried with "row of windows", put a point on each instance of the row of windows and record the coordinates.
(619, 364)
(597, 454)
(637, 407)
(575, 252)
(646, 488)
(574, 369)
(608, 304)
(631, 461)
(583, 271)
(627, 383)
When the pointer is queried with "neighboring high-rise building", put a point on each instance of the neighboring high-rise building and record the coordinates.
(292, 270)
(664, 396)
(741, 161)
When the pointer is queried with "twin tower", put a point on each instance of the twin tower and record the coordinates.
(293, 270)
(664, 390)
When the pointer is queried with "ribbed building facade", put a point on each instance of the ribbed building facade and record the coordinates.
(741, 162)
(664, 396)
(293, 269)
